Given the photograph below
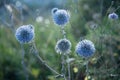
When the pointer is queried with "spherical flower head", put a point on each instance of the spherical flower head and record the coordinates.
(113, 16)
(54, 10)
(61, 17)
(63, 46)
(25, 34)
(85, 48)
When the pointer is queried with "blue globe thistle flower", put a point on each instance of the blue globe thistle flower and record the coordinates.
(63, 46)
(25, 34)
(85, 48)
(113, 16)
(60, 17)
(54, 10)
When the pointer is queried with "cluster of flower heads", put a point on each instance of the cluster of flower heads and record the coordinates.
(25, 34)
(60, 16)
(63, 46)
(85, 48)
(113, 16)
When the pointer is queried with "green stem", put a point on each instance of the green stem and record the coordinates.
(87, 69)
(23, 63)
(63, 66)
(36, 53)
(69, 75)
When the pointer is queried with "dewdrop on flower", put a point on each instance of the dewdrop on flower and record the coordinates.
(60, 16)
(113, 16)
(63, 46)
(85, 48)
(25, 34)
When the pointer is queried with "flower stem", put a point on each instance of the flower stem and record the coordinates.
(36, 53)
(68, 65)
(63, 66)
(63, 32)
(23, 63)
(12, 23)
(87, 70)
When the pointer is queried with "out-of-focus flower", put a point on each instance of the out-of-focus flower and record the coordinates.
(96, 16)
(63, 46)
(87, 78)
(39, 19)
(75, 69)
(92, 25)
(113, 16)
(18, 4)
(47, 21)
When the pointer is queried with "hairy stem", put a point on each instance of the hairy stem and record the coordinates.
(63, 66)
(23, 63)
(87, 70)
(68, 65)
(36, 53)
(63, 32)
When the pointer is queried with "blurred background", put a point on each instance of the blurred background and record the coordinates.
(89, 20)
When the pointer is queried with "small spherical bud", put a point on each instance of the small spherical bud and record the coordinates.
(54, 10)
(113, 16)
(63, 46)
(85, 48)
(25, 34)
(60, 17)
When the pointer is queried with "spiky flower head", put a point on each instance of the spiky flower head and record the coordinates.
(25, 34)
(85, 48)
(60, 16)
(63, 46)
(113, 16)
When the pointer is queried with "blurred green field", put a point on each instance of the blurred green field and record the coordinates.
(88, 21)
